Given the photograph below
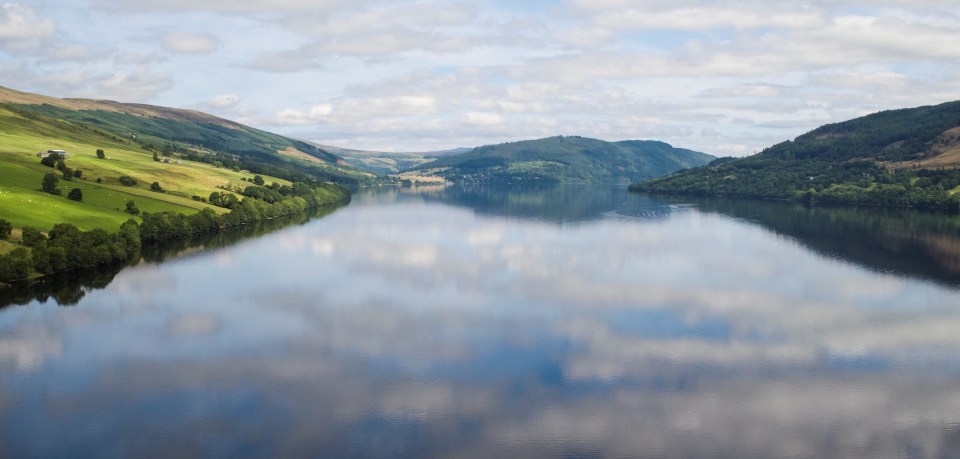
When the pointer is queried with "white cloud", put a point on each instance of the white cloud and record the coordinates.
(225, 101)
(705, 18)
(190, 43)
(414, 75)
(291, 117)
(321, 110)
(219, 6)
(483, 119)
(21, 29)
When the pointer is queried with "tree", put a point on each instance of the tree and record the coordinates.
(31, 236)
(5, 229)
(127, 181)
(15, 265)
(49, 184)
(75, 195)
(49, 161)
(101, 154)
(67, 174)
(155, 186)
(78, 173)
(156, 157)
(61, 164)
(132, 208)
(258, 180)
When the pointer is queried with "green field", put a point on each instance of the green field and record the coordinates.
(24, 204)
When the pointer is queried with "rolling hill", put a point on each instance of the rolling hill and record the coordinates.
(564, 159)
(188, 154)
(190, 133)
(384, 162)
(906, 157)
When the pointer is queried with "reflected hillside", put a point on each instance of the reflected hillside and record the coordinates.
(550, 203)
(898, 240)
(67, 289)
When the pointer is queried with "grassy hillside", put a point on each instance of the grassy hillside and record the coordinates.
(186, 133)
(899, 157)
(184, 174)
(564, 160)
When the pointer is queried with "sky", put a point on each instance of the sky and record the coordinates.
(727, 78)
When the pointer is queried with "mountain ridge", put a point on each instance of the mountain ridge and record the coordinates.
(564, 159)
(385, 162)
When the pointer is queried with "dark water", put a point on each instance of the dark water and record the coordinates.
(574, 322)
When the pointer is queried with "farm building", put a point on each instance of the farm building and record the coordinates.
(61, 153)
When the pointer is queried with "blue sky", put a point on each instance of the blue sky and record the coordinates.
(727, 78)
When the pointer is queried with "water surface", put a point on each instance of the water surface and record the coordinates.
(480, 322)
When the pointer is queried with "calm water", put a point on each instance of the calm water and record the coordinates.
(484, 323)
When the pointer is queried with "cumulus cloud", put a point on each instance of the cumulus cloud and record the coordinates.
(356, 110)
(483, 119)
(225, 101)
(190, 43)
(705, 18)
(431, 75)
(22, 29)
(217, 6)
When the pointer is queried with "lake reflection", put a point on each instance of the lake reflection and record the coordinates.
(482, 322)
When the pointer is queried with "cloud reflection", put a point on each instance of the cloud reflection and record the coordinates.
(416, 329)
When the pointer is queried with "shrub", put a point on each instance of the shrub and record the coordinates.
(5, 229)
(127, 181)
(75, 195)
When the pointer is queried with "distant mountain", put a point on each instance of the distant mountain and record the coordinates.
(564, 160)
(383, 162)
(905, 157)
(190, 133)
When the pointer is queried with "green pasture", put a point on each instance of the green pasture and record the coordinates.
(23, 204)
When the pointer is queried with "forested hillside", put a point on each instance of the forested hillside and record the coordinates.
(901, 157)
(564, 160)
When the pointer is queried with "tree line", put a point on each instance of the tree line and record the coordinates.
(851, 182)
(65, 247)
